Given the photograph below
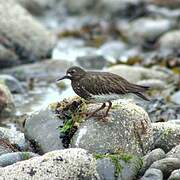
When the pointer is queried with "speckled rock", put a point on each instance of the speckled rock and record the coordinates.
(175, 175)
(166, 135)
(135, 74)
(63, 164)
(127, 128)
(26, 40)
(6, 101)
(42, 128)
(153, 174)
(174, 152)
(151, 157)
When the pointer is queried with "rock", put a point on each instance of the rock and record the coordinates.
(92, 62)
(176, 97)
(26, 41)
(63, 164)
(5, 146)
(135, 74)
(152, 29)
(128, 129)
(166, 165)
(12, 83)
(167, 3)
(170, 40)
(166, 135)
(11, 158)
(151, 157)
(118, 166)
(47, 70)
(174, 153)
(175, 175)
(112, 49)
(6, 101)
(42, 128)
(153, 174)
(14, 137)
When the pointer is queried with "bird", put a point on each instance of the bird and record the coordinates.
(101, 87)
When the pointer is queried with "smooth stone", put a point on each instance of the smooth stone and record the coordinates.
(92, 62)
(136, 73)
(174, 152)
(48, 70)
(166, 135)
(151, 157)
(61, 164)
(170, 40)
(166, 165)
(14, 137)
(175, 175)
(42, 128)
(11, 158)
(7, 107)
(176, 97)
(12, 83)
(30, 41)
(125, 123)
(153, 174)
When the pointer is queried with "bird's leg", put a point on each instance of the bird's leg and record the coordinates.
(109, 107)
(102, 107)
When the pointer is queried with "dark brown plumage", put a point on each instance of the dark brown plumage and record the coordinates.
(101, 87)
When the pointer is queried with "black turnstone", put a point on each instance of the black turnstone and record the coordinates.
(101, 87)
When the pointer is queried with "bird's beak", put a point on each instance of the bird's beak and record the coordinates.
(64, 77)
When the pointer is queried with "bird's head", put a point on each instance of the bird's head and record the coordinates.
(73, 73)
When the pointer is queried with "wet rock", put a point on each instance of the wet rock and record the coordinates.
(63, 164)
(12, 83)
(153, 174)
(167, 165)
(166, 135)
(174, 152)
(41, 128)
(47, 70)
(26, 41)
(127, 128)
(118, 166)
(112, 49)
(175, 175)
(135, 74)
(11, 158)
(6, 101)
(176, 97)
(15, 138)
(152, 29)
(92, 62)
(151, 157)
(170, 40)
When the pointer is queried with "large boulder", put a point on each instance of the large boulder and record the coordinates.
(63, 164)
(27, 42)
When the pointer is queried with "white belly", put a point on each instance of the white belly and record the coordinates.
(107, 97)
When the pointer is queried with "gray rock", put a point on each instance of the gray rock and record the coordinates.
(92, 62)
(11, 158)
(152, 29)
(12, 83)
(151, 157)
(170, 40)
(166, 135)
(14, 137)
(26, 41)
(166, 165)
(176, 97)
(128, 128)
(175, 175)
(63, 164)
(6, 101)
(174, 153)
(135, 74)
(122, 169)
(153, 174)
(47, 70)
(42, 128)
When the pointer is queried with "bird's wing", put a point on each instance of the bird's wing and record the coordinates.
(104, 83)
